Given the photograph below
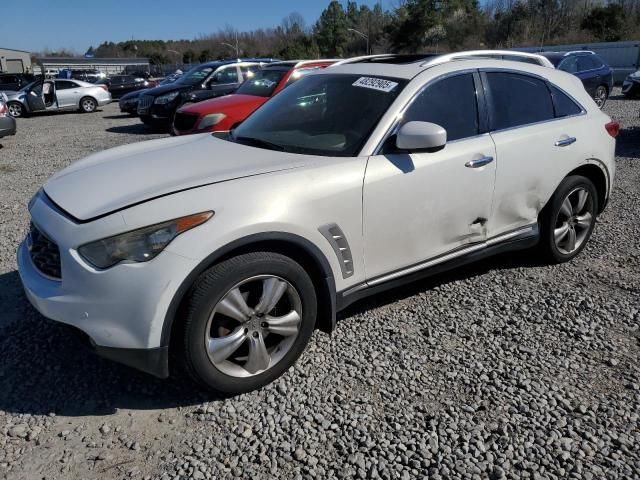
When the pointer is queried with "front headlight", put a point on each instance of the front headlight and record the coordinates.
(166, 98)
(139, 245)
(211, 120)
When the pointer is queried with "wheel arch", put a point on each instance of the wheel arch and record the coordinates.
(595, 171)
(298, 248)
(88, 96)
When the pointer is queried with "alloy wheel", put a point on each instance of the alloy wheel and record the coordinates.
(15, 109)
(600, 96)
(253, 326)
(88, 105)
(574, 221)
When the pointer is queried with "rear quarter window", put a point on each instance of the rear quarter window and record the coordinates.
(564, 105)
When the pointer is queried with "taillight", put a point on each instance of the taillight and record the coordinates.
(104, 87)
(613, 129)
(3, 109)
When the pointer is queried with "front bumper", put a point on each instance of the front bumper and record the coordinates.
(7, 126)
(159, 112)
(121, 309)
(631, 87)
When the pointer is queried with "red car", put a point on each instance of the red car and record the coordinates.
(222, 114)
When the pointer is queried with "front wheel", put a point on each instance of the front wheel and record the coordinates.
(600, 96)
(88, 105)
(568, 220)
(16, 110)
(248, 320)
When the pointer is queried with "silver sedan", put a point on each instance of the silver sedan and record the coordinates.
(53, 95)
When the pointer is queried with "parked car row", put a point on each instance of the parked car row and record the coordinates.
(337, 180)
(7, 122)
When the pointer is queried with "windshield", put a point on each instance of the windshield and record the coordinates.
(263, 83)
(196, 75)
(330, 115)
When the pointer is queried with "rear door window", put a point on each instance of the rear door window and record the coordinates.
(587, 62)
(64, 85)
(450, 103)
(569, 64)
(517, 100)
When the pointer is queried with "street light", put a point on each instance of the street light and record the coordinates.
(366, 37)
(236, 47)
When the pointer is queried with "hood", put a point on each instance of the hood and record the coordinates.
(231, 105)
(12, 94)
(134, 94)
(172, 87)
(115, 179)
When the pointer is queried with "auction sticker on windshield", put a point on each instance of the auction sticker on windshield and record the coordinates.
(375, 84)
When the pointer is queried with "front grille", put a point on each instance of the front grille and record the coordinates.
(45, 254)
(145, 102)
(185, 122)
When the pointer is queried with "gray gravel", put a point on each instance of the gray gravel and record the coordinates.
(506, 369)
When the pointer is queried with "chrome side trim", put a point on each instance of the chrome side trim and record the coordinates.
(520, 232)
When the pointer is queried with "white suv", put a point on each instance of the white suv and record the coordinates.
(357, 178)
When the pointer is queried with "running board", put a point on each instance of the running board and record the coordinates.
(519, 239)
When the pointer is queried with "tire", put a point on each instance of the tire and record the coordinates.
(222, 346)
(600, 96)
(88, 105)
(16, 109)
(567, 227)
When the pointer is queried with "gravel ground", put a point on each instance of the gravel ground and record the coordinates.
(506, 369)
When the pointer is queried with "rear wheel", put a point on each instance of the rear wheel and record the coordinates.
(568, 220)
(600, 96)
(248, 320)
(16, 110)
(88, 105)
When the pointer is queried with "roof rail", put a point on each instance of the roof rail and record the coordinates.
(399, 57)
(571, 52)
(302, 63)
(469, 54)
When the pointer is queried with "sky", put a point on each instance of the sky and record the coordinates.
(78, 24)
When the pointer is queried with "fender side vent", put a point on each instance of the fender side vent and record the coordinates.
(336, 238)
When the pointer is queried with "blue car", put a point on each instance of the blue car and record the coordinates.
(595, 74)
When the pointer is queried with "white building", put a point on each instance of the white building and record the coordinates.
(14, 61)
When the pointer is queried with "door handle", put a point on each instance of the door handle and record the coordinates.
(565, 142)
(479, 162)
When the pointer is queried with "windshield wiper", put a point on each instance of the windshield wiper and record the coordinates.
(258, 142)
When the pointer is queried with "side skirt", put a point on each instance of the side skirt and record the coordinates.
(528, 239)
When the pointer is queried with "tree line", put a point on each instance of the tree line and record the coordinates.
(409, 26)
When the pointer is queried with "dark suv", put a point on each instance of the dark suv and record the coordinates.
(158, 106)
(596, 75)
(14, 81)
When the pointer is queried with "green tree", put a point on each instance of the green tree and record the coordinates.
(331, 30)
(605, 22)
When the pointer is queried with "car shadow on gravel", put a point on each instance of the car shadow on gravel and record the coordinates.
(45, 368)
(137, 129)
(499, 262)
(119, 117)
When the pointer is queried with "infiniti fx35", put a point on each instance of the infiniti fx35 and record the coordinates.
(230, 252)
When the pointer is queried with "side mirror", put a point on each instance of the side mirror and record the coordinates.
(421, 136)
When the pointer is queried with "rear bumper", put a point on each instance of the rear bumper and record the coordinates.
(7, 126)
